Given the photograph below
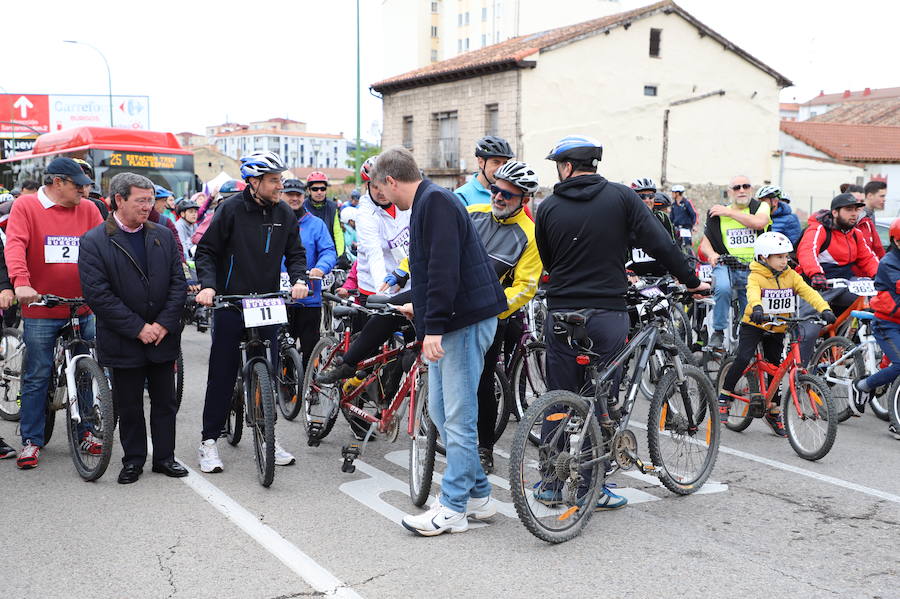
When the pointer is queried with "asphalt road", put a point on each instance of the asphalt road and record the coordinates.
(770, 524)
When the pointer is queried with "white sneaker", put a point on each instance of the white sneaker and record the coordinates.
(481, 508)
(209, 457)
(436, 520)
(282, 457)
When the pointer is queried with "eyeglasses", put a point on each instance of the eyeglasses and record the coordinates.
(740, 187)
(647, 196)
(318, 188)
(506, 195)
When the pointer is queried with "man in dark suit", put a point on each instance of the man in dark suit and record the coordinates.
(133, 281)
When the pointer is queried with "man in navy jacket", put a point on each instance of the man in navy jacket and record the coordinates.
(131, 274)
(456, 299)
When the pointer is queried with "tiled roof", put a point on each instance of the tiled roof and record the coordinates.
(850, 142)
(873, 112)
(251, 132)
(791, 107)
(513, 53)
(849, 96)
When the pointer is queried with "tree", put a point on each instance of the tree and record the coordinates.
(367, 152)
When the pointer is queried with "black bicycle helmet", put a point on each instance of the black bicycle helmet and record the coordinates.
(493, 147)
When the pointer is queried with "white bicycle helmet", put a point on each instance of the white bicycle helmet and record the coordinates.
(643, 184)
(768, 191)
(260, 163)
(772, 243)
(678, 188)
(520, 175)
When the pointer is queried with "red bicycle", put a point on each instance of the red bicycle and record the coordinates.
(810, 416)
(368, 396)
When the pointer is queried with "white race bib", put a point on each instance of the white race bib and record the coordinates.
(60, 249)
(778, 301)
(704, 273)
(399, 245)
(865, 287)
(660, 307)
(741, 238)
(285, 282)
(264, 312)
(685, 233)
(638, 255)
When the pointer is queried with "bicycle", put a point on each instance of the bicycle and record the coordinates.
(810, 416)
(409, 402)
(555, 484)
(703, 322)
(12, 350)
(253, 399)
(79, 385)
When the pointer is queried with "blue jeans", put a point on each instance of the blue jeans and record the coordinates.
(724, 279)
(887, 334)
(453, 406)
(39, 335)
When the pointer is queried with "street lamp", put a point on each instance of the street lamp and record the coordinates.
(108, 74)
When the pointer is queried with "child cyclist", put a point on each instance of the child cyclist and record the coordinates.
(772, 288)
(887, 321)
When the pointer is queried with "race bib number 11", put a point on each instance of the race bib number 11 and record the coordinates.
(60, 249)
(264, 312)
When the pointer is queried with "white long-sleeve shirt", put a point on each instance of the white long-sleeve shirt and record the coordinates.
(382, 243)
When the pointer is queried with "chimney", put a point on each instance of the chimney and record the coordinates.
(846, 93)
(821, 92)
(867, 91)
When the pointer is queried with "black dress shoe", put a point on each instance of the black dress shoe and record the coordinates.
(170, 468)
(129, 474)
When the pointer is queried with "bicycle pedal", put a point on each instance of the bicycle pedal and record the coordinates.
(646, 468)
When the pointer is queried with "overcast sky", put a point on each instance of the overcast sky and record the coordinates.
(203, 61)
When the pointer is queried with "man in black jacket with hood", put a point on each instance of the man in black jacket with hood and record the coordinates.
(583, 231)
(241, 254)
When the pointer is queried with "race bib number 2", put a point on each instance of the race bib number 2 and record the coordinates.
(264, 312)
(741, 238)
(60, 249)
(778, 301)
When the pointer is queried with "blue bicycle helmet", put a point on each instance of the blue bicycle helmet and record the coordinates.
(162, 192)
(261, 163)
(577, 148)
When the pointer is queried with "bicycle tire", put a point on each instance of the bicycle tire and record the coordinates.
(528, 380)
(261, 406)
(234, 421)
(683, 325)
(795, 423)
(667, 421)
(290, 381)
(552, 464)
(879, 405)
(49, 422)
(422, 445)
(11, 351)
(312, 393)
(98, 416)
(501, 391)
(739, 417)
(893, 404)
(657, 366)
(825, 355)
(179, 380)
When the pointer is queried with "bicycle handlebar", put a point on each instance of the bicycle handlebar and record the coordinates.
(228, 301)
(779, 320)
(50, 301)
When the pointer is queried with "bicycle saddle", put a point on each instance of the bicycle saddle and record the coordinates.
(862, 315)
(342, 311)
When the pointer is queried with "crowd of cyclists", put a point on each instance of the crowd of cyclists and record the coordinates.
(579, 250)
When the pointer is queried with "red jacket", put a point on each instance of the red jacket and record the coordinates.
(867, 226)
(847, 253)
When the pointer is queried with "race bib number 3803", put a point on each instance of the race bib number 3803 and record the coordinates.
(778, 301)
(60, 249)
(741, 238)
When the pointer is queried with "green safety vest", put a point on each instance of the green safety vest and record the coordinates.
(738, 239)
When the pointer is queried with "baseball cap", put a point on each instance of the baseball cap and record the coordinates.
(68, 168)
(294, 186)
(678, 188)
(845, 199)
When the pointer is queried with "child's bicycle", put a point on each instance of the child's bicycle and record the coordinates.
(810, 416)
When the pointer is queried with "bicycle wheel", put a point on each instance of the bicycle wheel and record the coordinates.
(234, 423)
(554, 496)
(658, 365)
(11, 352)
(421, 445)
(811, 421)
(892, 398)
(320, 402)
(501, 392)
(179, 380)
(683, 430)
(261, 406)
(529, 380)
(683, 325)
(829, 352)
(739, 417)
(290, 380)
(95, 408)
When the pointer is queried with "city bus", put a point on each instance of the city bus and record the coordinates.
(156, 155)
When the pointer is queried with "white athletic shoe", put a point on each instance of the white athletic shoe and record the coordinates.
(481, 508)
(209, 457)
(436, 520)
(282, 457)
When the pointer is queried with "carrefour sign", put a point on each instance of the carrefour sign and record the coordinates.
(42, 113)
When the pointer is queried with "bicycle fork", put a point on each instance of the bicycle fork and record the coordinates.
(71, 387)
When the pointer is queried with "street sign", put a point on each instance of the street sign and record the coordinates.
(21, 145)
(31, 110)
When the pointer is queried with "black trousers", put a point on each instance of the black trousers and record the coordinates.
(487, 399)
(748, 338)
(303, 324)
(128, 396)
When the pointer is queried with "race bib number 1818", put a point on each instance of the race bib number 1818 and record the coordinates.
(778, 301)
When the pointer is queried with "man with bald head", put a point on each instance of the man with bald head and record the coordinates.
(728, 245)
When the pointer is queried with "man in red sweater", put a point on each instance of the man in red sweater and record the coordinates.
(42, 257)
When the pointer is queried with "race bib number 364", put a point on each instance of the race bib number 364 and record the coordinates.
(778, 301)
(741, 238)
(264, 312)
(60, 249)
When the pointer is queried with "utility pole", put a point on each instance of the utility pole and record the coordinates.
(358, 148)
(665, 144)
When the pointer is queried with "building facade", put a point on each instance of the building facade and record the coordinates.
(289, 139)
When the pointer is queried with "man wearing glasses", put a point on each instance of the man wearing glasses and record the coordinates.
(327, 210)
(731, 231)
(42, 257)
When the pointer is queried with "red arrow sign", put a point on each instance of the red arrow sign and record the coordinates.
(31, 110)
